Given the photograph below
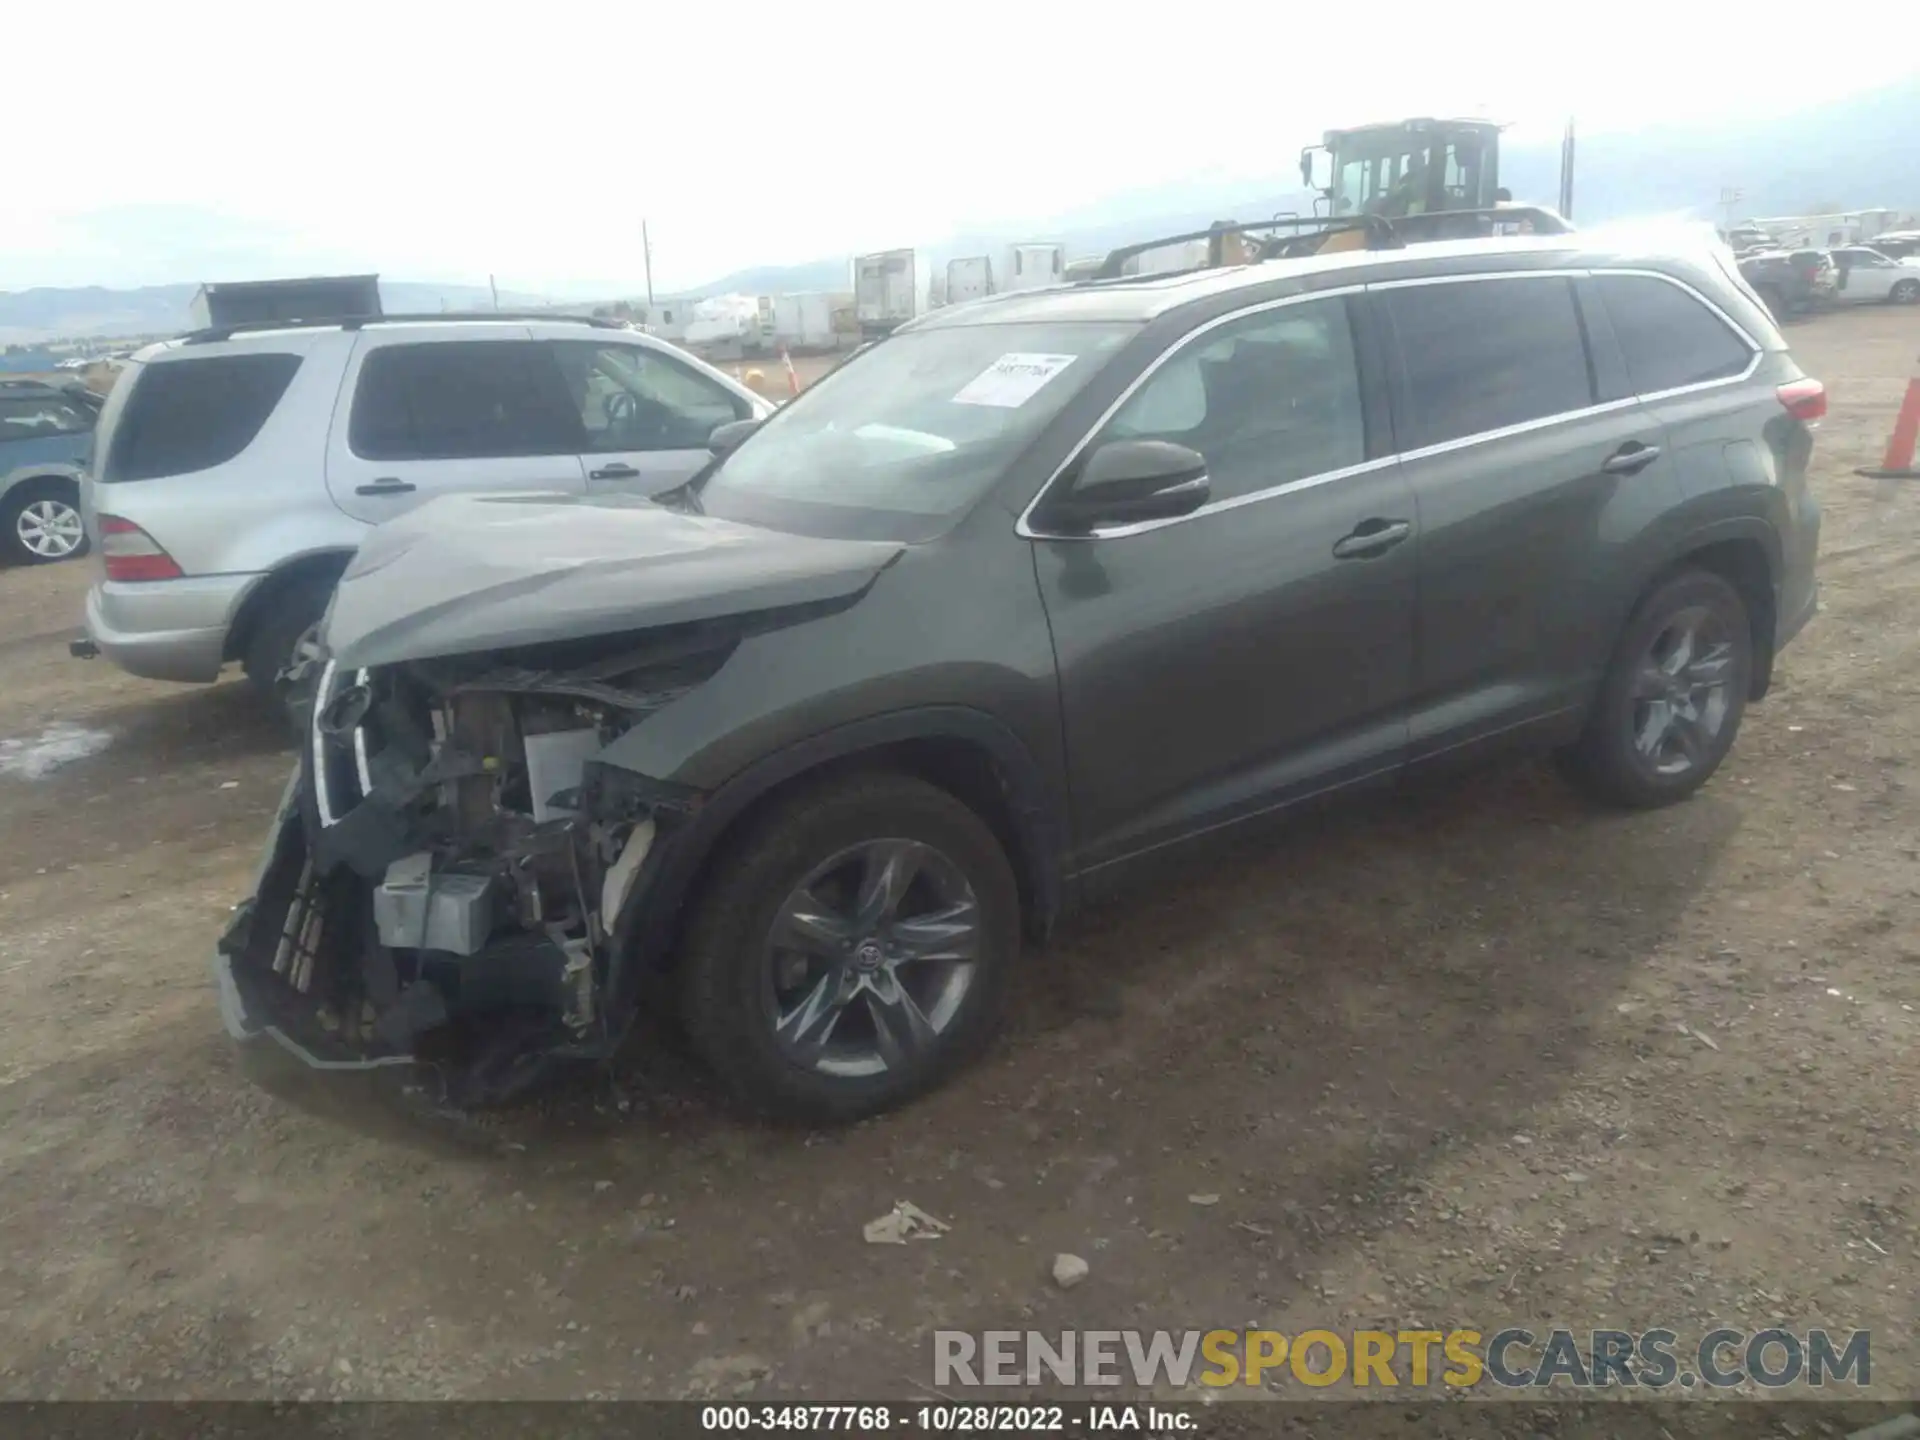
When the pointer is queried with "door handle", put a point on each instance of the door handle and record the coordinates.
(1370, 538)
(386, 485)
(616, 471)
(1630, 459)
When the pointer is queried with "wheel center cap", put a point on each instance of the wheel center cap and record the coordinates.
(867, 955)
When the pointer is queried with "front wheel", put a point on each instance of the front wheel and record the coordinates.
(1905, 292)
(1671, 701)
(852, 948)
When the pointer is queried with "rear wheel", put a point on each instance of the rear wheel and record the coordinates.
(1670, 704)
(852, 949)
(40, 520)
(283, 636)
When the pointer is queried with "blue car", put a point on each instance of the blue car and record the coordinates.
(46, 435)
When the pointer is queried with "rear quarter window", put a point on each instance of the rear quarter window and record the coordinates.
(194, 414)
(1668, 337)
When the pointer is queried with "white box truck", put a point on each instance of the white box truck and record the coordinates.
(803, 322)
(1031, 266)
(888, 291)
(969, 279)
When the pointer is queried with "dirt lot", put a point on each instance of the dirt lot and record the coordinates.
(1429, 1054)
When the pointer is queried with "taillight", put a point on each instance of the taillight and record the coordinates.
(1804, 399)
(132, 554)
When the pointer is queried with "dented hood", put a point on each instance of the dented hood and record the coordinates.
(463, 573)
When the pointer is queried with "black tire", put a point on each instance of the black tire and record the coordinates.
(271, 643)
(1607, 762)
(37, 493)
(1905, 292)
(726, 993)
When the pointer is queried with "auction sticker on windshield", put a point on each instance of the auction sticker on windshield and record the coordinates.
(1012, 380)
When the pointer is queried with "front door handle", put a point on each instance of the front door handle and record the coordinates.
(619, 470)
(386, 485)
(1630, 459)
(1370, 538)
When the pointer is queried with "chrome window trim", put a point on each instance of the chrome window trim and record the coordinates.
(1740, 333)
(1023, 527)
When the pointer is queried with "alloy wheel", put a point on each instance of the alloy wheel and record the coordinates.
(50, 529)
(871, 957)
(1682, 693)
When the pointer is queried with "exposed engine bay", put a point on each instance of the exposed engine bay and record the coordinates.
(446, 879)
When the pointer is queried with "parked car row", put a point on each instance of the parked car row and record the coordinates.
(1794, 282)
(797, 724)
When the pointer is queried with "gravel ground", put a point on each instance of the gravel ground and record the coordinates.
(1429, 1054)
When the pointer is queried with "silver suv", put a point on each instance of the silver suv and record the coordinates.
(239, 468)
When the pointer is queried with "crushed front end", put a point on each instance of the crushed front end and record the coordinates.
(445, 876)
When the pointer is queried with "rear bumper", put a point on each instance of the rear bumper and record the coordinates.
(167, 629)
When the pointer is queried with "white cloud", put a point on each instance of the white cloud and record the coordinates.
(447, 142)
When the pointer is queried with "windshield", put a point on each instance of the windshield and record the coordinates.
(901, 440)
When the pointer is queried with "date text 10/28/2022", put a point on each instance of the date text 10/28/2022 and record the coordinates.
(956, 1419)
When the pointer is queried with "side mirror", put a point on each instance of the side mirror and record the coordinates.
(730, 436)
(1306, 167)
(1126, 481)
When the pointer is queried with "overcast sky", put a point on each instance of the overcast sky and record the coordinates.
(445, 142)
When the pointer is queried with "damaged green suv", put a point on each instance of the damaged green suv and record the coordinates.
(1038, 587)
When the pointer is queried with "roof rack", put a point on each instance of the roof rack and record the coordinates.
(356, 322)
(1379, 236)
(1379, 233)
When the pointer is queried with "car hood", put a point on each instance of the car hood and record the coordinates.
(464, 573)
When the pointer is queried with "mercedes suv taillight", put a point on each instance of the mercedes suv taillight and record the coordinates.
(132, 554)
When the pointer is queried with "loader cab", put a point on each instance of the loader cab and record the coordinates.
(1407, 167)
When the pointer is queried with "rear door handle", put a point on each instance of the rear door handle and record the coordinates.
(1370, 538)
(619, 470)
(386, 485)
(1630, 459)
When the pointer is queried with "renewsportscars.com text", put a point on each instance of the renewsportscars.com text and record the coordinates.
(1513, 1358)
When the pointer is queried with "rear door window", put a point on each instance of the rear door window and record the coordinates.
(1668, 337)
(1481, 355)
(462, 400)
(194, 414)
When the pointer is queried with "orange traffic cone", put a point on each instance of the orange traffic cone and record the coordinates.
(793, 384)
(1897, 463)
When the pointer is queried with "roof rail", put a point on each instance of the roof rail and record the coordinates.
(356, 322)
(1379, 233)
(1480, 222)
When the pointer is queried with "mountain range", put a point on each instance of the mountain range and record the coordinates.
(1852, 153)
(28, 317)
(1848, 154)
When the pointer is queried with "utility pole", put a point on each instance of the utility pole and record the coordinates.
(1566, 173)
(646, 254)
(496, 292)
